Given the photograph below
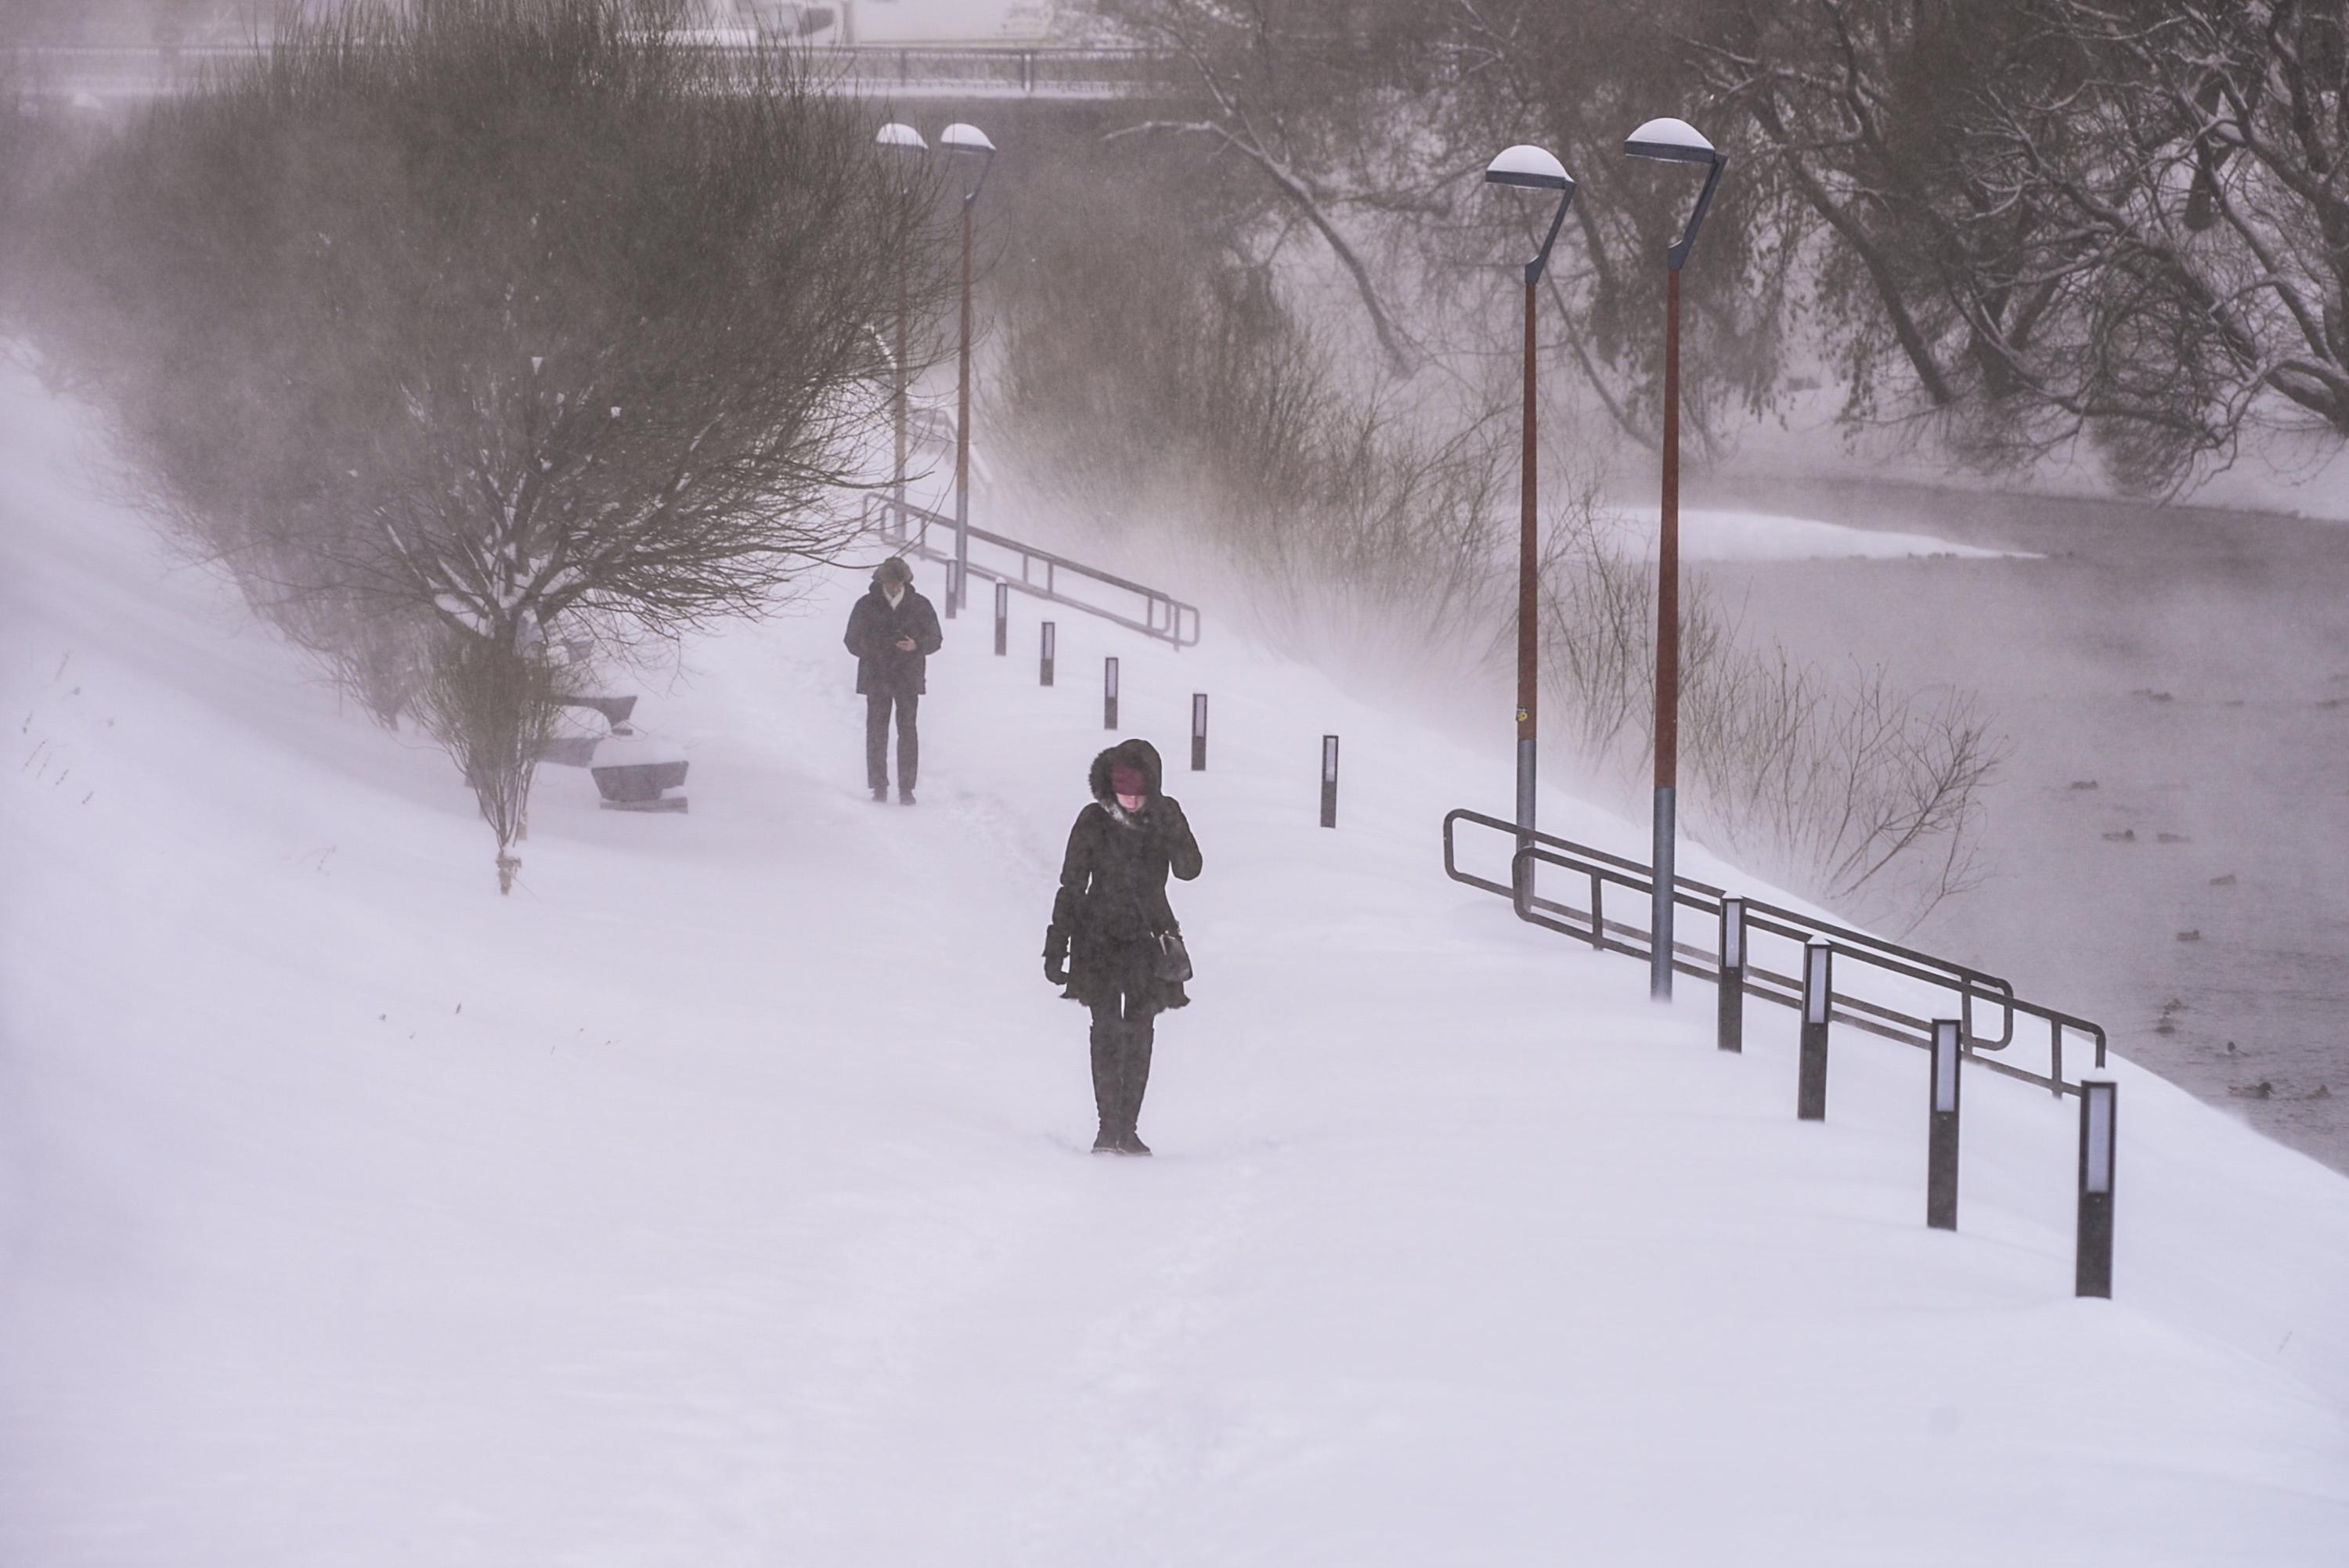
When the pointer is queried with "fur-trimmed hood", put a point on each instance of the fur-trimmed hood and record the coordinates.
(1133, 752)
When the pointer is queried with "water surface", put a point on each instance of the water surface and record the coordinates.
(2169, 842)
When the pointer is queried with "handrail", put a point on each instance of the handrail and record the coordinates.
(1592, 926)
(1165, 617)
(1705, 898)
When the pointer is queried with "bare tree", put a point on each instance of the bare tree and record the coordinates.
(1855, 789)
(1151, 367)
(1303, 94)
(443, 327)
(493, 713)
(2118, 219)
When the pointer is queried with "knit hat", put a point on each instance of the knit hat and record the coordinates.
(1125, 780)
(893, 570)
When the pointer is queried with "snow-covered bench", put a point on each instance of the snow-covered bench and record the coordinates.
(633, 772)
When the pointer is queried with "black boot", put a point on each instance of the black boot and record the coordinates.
(1108, 1097)
(1134, 1079)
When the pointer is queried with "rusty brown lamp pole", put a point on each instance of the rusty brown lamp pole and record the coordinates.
(1533, 169)
(1675, 141)
(908, 141)
(966, 138)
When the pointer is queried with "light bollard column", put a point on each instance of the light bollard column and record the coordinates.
(1044, 657)
(1729, 1033)
(1198, 732)
(1941, 1134)
(1818, 1004)
(1002, 619)
(1109, 693)
(1328, 780)
(2092, 1272)
(954, 588)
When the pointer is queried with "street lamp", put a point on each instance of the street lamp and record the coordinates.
(907, 140)
(1674, 141)
(1535, 169)
(968, 139)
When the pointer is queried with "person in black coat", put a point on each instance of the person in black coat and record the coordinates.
(893, 631)
(1103, 941)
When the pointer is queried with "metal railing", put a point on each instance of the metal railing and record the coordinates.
(1039, 573)
(146, 71)
(1975, 992)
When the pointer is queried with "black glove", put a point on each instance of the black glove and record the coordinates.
(1166, 816)
(1055, 955)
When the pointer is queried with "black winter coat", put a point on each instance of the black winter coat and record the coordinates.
(1111, 904)
(873, 630)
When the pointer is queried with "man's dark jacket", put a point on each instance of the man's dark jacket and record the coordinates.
(874, 628)
(1111, 904)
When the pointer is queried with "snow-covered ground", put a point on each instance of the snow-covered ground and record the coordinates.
(720, 1198)
(1707, 534)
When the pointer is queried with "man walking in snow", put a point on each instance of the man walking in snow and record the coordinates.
(893, 631)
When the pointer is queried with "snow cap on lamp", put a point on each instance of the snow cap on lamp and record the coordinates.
(896, 135)
(1675, 139)
(1527, 165)
(961, 137)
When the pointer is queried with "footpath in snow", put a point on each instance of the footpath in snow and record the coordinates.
(721, 1197)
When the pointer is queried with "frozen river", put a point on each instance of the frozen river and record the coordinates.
(2169, 842)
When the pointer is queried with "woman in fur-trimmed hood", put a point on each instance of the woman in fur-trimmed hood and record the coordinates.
(1104, 943)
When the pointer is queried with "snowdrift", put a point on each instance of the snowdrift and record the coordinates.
(720, 1198)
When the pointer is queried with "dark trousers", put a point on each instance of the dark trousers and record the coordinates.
(877, 739)
(1121, 1064)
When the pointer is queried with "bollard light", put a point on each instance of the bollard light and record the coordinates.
(954, 588)
(2096, 1158)
(1818, 993)
(1198, 732)
(2092, 1272)
(1729, 1033)
(1044, 663)
(1002, 619)
(1109, 693)
(1942, 1127)
(1328, 780)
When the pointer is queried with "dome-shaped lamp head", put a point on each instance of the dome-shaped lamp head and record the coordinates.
(1533, 168)
(1677, 141)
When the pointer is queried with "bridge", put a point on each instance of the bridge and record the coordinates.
(101, 75)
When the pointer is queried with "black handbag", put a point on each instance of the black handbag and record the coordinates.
(1174, 965)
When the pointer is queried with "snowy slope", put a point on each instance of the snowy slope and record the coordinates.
(720, 1197)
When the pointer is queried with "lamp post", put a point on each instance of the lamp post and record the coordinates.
(968, 139)
(907, 140)
(1674, 141)
(1532, 169)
